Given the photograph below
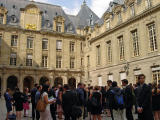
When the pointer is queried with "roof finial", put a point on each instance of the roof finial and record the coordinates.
(84, 2)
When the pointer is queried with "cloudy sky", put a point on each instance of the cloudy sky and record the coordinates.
(73, 6)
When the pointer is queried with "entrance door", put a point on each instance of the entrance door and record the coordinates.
(28, 83)
(72, 83)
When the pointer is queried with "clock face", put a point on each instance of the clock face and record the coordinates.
(13, 19)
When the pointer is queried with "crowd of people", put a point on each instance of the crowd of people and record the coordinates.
(117, 102)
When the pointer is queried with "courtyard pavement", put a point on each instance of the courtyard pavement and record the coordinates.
(3, 113)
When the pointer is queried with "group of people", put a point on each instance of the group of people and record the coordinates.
(81, 102)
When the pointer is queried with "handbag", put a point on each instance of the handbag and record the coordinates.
(41, 105)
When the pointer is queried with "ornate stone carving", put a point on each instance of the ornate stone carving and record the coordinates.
(31, 27)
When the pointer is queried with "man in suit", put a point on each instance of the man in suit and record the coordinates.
(144, 106)
(128, 99)
(69, 99)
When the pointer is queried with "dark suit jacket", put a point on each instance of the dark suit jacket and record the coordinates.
(128, 97)
(144, 101)
(69, 99)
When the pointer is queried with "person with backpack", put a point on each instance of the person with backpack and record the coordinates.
(128, 99)
(81, 98)
(116, 102)
(96, 103)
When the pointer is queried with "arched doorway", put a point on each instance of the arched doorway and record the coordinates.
(43, 80)
(72, 82)
(12, 82)
(58, 81)
(28, 83)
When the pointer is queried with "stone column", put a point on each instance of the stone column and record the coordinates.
(4, 83)
(65, 79)
(20, 82)
(51, 80)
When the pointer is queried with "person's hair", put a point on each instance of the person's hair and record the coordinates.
(114, 84)
(8, 89)
(38, 86)
(45, 88)
(66, 87)
(79, 84)
(25, 90)
(109, 81)
(96, 88)
(141, 75)
(35, 85)
(17, 89)
(125, 81)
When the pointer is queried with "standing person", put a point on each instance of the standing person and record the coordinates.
(26, 102)
(89, 108)
(69, 100)
(81, 98)
(59, 102)
(46, 115)
(144, 106)
(8, 99)
(37, 97)
(103, 91)
(52, 106)
(128, 99)
(108, 109)
(33, 93)
(96, 104)
(116, 102)
(19, 98)
(156, 101)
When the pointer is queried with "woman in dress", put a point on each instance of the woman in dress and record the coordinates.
(46, 115)
(18, 97)
(96, 104)
(155, 101)
(26, 102)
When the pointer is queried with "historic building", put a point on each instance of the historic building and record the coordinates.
(40, 41)
(126, 44)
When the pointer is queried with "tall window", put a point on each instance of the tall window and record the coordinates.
(29, 60)
(1, 18)
(119, 17)
(132, 9)
(72, 63)
(59, 27)
(59, 45)
(29, 42)
(81, 61)
(72, 45)
(44, 61)
(98, 55)
(0, 39)
(149, 3)
(152, 36)
(156, 76)
(81, 46)
(121, 47)
(88, 60)
(135, 43)
(14, 39)
(13, 59)
(107, 23)
(58, 62)
(109, 51)
(44, 44)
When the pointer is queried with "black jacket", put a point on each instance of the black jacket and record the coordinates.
(128, 97)
(144, 97)
(69, 99)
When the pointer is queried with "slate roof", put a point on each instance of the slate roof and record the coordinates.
(49, 12)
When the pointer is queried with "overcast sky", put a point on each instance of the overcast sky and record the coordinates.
(72, 6)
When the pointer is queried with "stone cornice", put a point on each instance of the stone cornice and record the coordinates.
(129, 21)
(44, 32)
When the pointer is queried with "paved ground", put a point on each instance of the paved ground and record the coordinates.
(3, 112)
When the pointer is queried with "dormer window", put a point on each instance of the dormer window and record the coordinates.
(14, 7)
(132, 9)
(47, 24)
(59, 27)
(1, 18)
(13, 19)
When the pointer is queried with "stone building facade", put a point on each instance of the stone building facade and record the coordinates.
(126, 44)
(40, 41)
